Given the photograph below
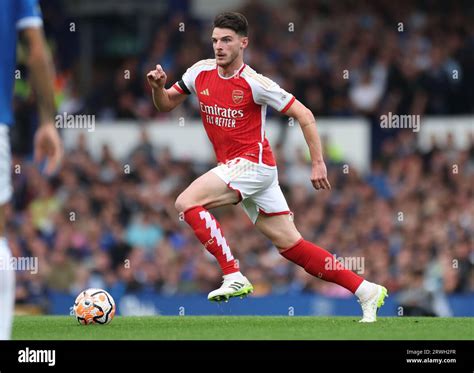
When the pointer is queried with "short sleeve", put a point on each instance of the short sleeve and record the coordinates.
(267, 92)
(187, 84)
(189, 77)
(28, 14)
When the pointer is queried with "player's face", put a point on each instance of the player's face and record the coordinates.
(227, 45)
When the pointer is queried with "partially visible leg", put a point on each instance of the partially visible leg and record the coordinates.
(7, 285)
(318, 262)
(205, 192)
(7, 276)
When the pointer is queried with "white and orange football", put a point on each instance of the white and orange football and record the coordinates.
(94, 306)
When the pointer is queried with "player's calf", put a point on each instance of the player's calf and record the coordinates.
(279, 229)
(207, 229)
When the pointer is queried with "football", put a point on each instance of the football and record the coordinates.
(94, 306)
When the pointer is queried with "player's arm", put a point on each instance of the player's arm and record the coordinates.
(307, 122)
(164, 99)
(47, 142)
(41, 70)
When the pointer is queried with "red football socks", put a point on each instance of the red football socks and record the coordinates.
(318, 262)
(208, 231)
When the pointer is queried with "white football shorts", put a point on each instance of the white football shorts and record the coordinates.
(257, 184)
(5, 165)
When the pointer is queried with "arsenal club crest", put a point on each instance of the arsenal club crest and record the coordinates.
(237, 96)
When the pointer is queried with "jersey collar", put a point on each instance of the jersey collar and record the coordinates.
(232, 76)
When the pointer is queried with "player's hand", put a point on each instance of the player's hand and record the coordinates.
(48, 145)
(319, 176)
(157, 78)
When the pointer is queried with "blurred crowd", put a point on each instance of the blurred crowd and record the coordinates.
(112, 224)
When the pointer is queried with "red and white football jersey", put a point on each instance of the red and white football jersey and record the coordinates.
(233, 109)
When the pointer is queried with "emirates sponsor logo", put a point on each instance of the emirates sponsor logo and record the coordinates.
(221, 112)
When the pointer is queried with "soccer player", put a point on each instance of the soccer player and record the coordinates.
(22, 16)
(233, 99)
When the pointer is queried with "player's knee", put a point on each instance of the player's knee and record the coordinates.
(181, 204)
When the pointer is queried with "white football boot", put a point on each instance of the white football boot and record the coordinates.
(372, 304)
(236, 286)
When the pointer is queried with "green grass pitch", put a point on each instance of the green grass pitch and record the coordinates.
(244, 327)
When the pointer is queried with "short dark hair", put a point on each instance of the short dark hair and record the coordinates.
(234, 21)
